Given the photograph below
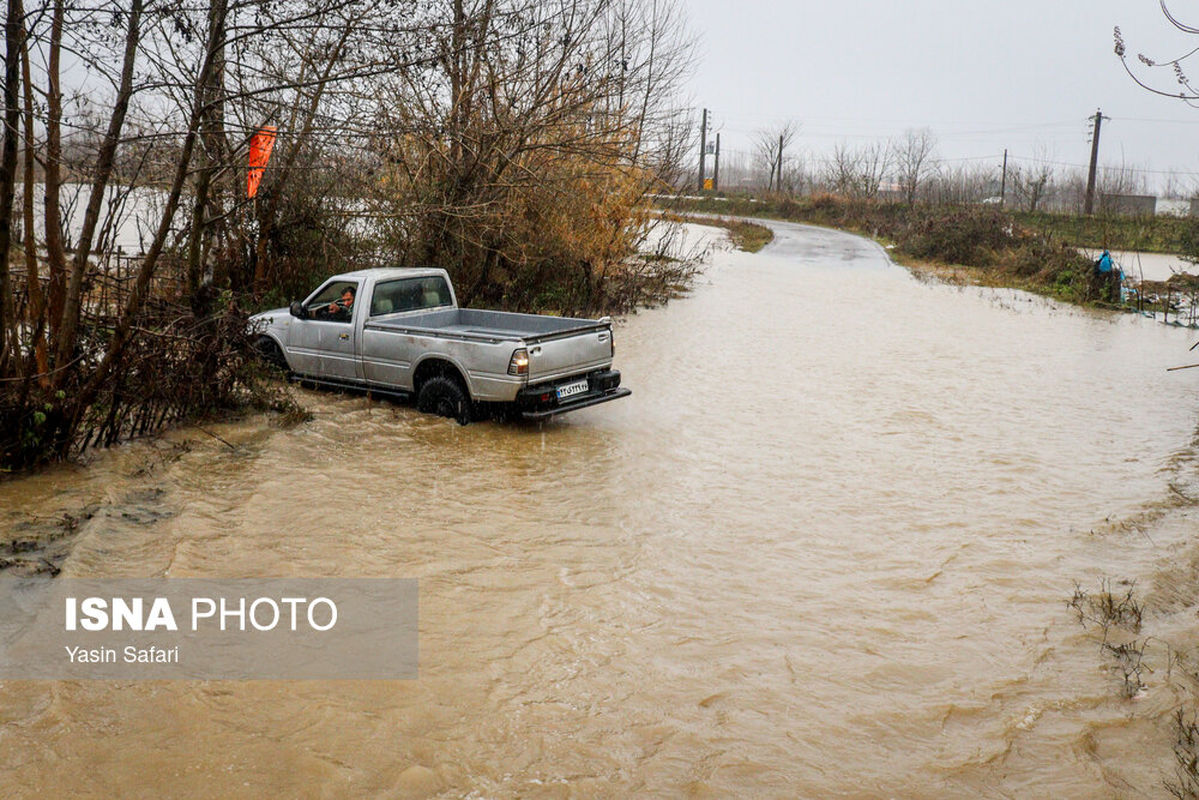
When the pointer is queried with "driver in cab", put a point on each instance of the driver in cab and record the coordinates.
(342, 308)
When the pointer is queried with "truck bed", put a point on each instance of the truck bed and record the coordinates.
(490, 325)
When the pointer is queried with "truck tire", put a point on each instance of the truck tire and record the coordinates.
(446, 398)
(269, 352)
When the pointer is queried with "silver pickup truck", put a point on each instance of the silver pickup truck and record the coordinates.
(401, 332)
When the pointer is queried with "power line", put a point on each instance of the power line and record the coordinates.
(1150, 119)
(735, 153)
(1107, 166)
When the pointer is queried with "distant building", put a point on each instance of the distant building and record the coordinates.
(1169, 207)
(1132, 205)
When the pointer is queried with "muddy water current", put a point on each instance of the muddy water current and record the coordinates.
(824, 550)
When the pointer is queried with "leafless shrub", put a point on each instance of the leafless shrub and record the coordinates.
(1185, 785)
(1106, 607)
(1129, 658)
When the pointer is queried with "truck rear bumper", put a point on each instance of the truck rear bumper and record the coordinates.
(542, 402)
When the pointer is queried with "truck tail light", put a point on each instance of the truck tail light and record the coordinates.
(519, 365)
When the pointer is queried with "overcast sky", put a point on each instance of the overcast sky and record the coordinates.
(983, 76)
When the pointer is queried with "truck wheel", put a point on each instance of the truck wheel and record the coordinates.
(446, 398)
(269, 352)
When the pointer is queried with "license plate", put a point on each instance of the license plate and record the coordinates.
(571, 389)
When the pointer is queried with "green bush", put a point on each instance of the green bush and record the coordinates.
(969, 236)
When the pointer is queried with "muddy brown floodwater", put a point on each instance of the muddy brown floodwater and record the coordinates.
(824, 550)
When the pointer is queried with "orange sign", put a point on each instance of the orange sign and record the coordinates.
(261, 144)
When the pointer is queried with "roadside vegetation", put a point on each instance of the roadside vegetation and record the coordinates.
(511, 142)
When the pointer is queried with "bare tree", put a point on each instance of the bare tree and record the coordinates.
(1032, 183)
(525, 143)
(1116, 182)
(8, 170)
(874, 164)
(912, 155)
(961, 184)
(858, 171)
(795, 176)
(841, 169)
(770, 145)
(1174, 187)
(105, 160)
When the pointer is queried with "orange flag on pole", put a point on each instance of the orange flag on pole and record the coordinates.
(261, 144)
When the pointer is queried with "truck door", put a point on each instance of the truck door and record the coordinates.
(323, 344)
(387, 356)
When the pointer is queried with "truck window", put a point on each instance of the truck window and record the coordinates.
(409, 294)
(334, 302)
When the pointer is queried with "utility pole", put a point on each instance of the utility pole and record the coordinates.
(1090, 203)
(1003, 181)
(778, 184)
(716, 166)
(703, 147)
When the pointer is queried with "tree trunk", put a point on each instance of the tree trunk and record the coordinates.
(56, 254)
(211, 149)
(37, 301)
(104, 165)
(8, 168)
(124, 327)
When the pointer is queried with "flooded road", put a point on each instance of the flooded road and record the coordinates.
(824, 550)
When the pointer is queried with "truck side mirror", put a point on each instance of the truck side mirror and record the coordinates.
(297, 309)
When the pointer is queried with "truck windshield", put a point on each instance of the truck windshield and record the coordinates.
(409, 294)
